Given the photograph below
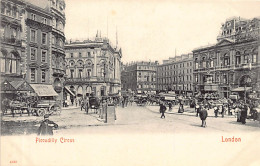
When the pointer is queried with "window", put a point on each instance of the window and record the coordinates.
(33, 71)
(226, 61)
(196, 78)
(225, 79)
(90, 55)
(14, 12)
(88, 72)
(44, 20)
(71, 55)
(13, 33)
(238, 58)
(44, 35)
(33, 17)
(33, 54)
(203, 62)
(254, 58)
(71, 73)
(12, 62)
(80, 73)
(43, 56)
(33, 35)
(43, 75)
(8, 10)
(2, 8)
(211, 63)
(2, 62)
(53, 40)
(246, 58)
(80, 56)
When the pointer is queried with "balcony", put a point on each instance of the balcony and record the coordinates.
(12, 41)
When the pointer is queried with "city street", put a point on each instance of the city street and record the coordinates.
(140, 134)
(133, 119)
(140, 119)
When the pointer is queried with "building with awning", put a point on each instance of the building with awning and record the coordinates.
(241, 89)
(44, 90)
(7, 87)
(69, 91)
(21, 86)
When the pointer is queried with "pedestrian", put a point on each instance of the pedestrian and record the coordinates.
(216, 111)
(162, 109)
(197, 109)
(72, 101)
(244, 114)
(170, 106)
(46, 127)
(203, 115)
(76, 101)
(181, 110)
(223, 111)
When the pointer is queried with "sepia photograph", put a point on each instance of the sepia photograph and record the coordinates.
(130, 82)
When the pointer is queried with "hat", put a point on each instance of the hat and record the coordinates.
(46, 116)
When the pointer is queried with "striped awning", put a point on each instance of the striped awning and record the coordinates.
(44, 90)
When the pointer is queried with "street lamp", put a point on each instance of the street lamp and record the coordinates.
(247, 81)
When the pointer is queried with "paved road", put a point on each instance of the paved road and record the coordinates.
(140, 119)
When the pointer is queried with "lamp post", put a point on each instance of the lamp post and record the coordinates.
(247, 81)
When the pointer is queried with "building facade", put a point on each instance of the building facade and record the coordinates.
(32, 37)
(176, 74)
(12, 40)
(139, 76)
(231, 63)
(93, 67)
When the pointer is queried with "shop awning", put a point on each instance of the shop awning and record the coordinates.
(7, 86)
(241, 89)
(21, 85)
(69, 91)
(44, 90)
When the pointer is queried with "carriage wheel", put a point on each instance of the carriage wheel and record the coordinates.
(41, 111)
(33, 111)
(58, 110)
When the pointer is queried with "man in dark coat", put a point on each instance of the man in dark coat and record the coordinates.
(244, 114)
(162, 109)
(46, 127)
(203, 116)
(181, 109)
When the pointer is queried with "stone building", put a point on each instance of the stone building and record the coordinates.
(93, 67)
(232, 64)
(32, 42)
(176, 74)
(139, 76)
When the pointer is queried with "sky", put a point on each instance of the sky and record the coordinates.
(153, 30)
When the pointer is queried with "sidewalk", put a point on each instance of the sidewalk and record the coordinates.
(187, 111)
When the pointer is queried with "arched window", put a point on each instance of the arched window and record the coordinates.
(238, 58)
(246, 57)
(196, 64)
(12, 63)
(254, 56)
(226, 60)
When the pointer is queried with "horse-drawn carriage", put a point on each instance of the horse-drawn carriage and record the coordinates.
(141, 100)
(90, 103)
